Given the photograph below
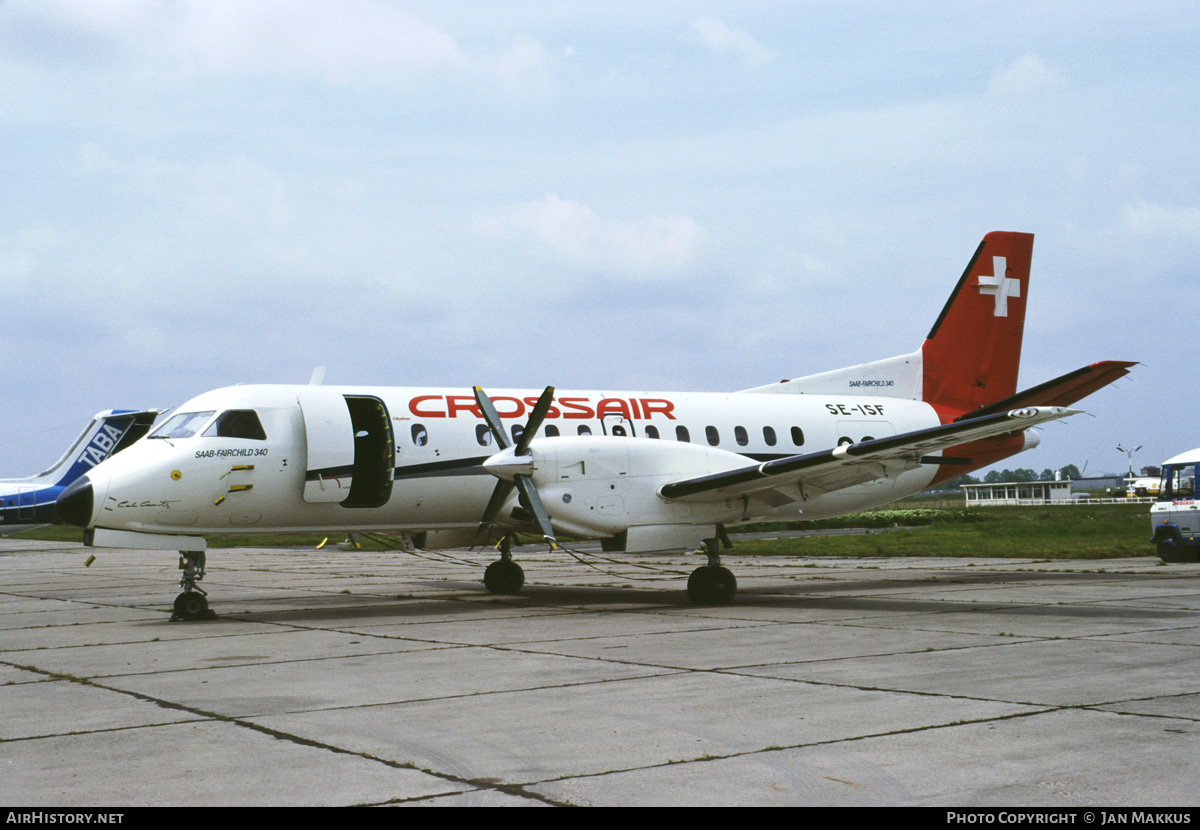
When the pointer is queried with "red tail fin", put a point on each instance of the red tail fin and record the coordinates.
(973, 351)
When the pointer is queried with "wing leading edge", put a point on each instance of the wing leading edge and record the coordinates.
(851, 464)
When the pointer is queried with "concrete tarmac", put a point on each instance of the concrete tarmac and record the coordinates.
(353, 678)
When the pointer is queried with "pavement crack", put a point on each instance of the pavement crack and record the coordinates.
(280, 735)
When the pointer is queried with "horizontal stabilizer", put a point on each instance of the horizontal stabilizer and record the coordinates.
(1062, 391)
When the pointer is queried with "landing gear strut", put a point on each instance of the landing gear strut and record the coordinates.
(504, 576)
(192, 604)
(712, 584)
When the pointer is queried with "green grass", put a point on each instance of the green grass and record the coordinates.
(1074, 532)
(52, 533)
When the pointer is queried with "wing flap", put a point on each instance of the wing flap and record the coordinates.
(852, 464)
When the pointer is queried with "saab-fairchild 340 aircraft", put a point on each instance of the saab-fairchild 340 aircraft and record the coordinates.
(641, 471)
(29, 502)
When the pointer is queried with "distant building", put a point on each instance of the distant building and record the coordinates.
(1107, 482)
(1017, 492)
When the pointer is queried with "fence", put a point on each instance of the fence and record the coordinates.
(1059, 503)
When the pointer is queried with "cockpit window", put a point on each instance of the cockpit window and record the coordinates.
(237, 423)
(182, 425)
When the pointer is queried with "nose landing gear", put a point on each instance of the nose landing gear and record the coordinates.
(192, 604)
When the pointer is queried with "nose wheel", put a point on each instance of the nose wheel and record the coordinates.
(192, 604)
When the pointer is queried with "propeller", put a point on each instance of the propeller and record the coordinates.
(513, 465)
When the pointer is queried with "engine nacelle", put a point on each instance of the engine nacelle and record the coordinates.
(594, 486)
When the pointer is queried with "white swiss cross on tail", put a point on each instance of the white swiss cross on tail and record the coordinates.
(1003, 287)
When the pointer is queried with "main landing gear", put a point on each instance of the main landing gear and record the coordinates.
(709, 584)
(192, 604)
(504, 576)
(712, 584)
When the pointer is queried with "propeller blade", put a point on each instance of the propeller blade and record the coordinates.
(529, 491)
(535, 420)
(524, 483)
(499, 496)
(492, 419)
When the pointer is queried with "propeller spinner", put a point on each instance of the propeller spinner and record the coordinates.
(513, 465)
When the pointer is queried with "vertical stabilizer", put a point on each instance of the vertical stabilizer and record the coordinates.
(973, 352)
(109, 433)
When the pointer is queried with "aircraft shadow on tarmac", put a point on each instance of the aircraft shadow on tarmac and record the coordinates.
(869, 595)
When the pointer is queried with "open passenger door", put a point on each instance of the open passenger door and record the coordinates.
(351, 449)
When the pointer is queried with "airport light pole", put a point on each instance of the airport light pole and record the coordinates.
(1130, 478)
(1129, 453)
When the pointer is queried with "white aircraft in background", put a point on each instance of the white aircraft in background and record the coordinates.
(29, 502)
(641, 471)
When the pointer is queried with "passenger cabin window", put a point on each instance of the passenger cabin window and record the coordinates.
(741, 436)
(712, 435)
(517, 429)
(483, 435)
(681, 434)
(769, 436)
(798, 436)
(237, 423)
(551, 431)
(618, 430)
(650, 432)
(420, 435)
(584, 429)
(183, 425)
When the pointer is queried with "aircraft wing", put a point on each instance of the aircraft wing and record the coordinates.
(851, 464)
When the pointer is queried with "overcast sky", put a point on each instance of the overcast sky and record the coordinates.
(673, 195)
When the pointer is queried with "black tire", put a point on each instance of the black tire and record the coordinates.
(191, 605)
(504, 577)
(712, 586)
(1171, 551)
(1168, 541)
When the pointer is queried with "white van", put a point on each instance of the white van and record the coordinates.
(1175, 517)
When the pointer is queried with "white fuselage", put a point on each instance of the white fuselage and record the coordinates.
(295, 479)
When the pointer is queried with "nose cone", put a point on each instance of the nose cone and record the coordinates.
(75, 504)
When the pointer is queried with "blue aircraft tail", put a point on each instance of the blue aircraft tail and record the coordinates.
(109, 433)
(29, 502)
